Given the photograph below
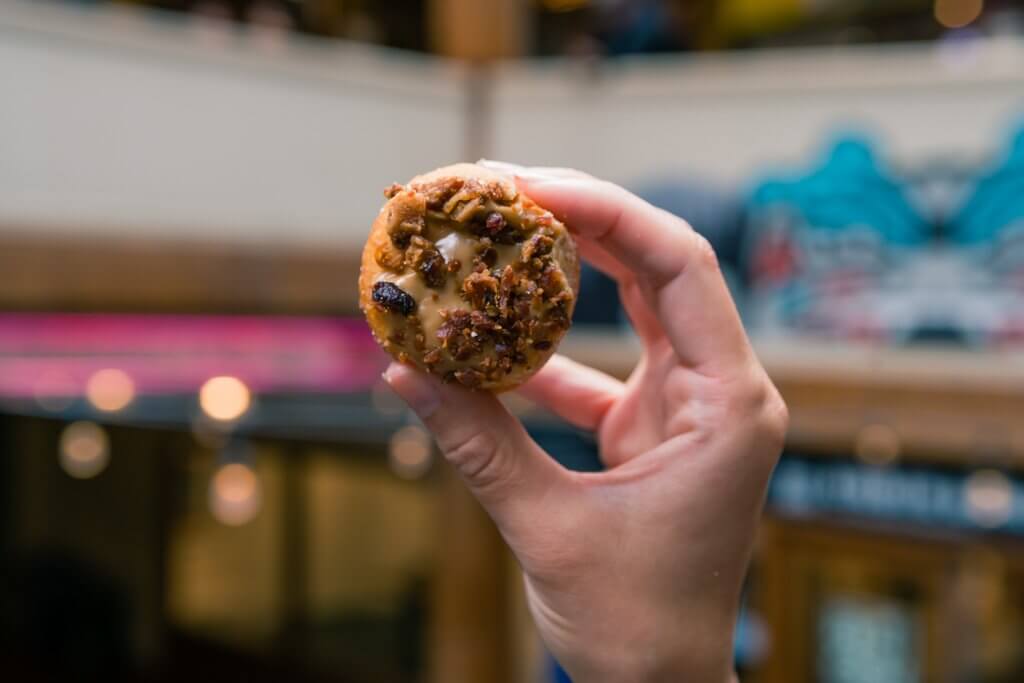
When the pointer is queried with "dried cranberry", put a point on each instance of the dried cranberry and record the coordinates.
(391, 297)
(432, 267)
(495, 223)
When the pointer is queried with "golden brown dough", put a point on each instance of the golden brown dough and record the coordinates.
(467, 278)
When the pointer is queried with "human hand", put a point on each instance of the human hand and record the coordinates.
(633, 573)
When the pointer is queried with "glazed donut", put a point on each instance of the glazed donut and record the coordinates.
(465, 277)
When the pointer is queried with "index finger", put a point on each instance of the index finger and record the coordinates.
(677, 265)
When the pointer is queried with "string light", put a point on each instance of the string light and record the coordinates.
(957, 13)
(988, 498)
(54, 391)
(877, 444)
(409, 452)
(110, 389)
(224, 398)
(235, 495)
(84, 450)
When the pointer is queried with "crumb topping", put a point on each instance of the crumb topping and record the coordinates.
(504, 299)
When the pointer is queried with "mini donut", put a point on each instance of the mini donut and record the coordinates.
(467, 278)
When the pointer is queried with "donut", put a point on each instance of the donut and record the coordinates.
(467, 278)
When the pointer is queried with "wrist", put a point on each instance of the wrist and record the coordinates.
(700, 658)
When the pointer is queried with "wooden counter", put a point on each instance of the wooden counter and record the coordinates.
(937, 404)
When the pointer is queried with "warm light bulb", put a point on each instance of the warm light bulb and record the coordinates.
(988, 498)
(110, 389)
(409, 452)
(877, 444)
(55, 391)
(235, 495)
(84, 450)
(957, 13)
(224, 398)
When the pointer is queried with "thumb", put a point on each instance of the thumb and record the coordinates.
(511, 476)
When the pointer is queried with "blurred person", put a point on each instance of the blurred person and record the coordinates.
(633, 573)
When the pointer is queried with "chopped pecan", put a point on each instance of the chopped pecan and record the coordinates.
(402, 233)
(425, 259)
(439, 193)
(552, 281)
(456, 334)
(482, 324)
(538, 245)
(391, 190)
(480, 288)
(389, 257)
(463, 211)
(487, 255)
(406, 217)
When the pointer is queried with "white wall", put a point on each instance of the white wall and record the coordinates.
(112, 122)
(116, 123)
(725, 117)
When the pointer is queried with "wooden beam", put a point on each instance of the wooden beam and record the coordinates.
(77, 273)
(470, 637)
(478, 31)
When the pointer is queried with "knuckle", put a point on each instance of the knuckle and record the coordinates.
(759, 404)
(703, 253)
(775, 420)
(478, 460)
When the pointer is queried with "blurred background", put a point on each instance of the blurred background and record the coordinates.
(201, 476)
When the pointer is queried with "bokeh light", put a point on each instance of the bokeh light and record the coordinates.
(224, 398)
(235, 495)
(957, 13)
(55, 391)
(988, 498)
(84, 450)
(410, 452)
(110, 389)
(877, 444)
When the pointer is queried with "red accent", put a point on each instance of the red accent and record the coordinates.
(775, 260)
(55, 354)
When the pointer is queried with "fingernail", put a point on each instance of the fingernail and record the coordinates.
(416, 389)
(499, 165)
(535, 177)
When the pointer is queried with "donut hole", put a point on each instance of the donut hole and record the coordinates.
(492, 278)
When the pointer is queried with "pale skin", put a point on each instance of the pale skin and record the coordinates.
(633, 573)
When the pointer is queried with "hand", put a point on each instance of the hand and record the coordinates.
(633, 573)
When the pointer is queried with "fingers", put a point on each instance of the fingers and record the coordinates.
(578, 394)
(597, 256)
(671, 262)
(634, 301)
(504, 468)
